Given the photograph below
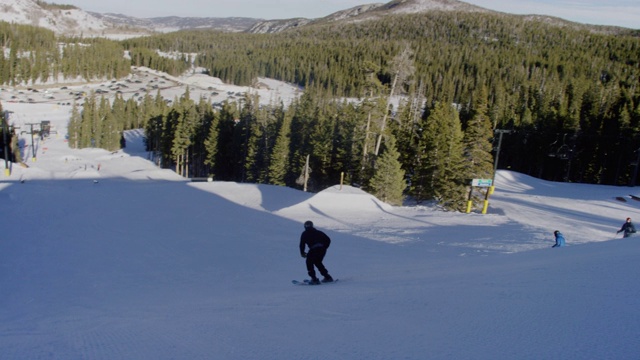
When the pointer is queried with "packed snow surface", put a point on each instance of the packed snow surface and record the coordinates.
(105, 256)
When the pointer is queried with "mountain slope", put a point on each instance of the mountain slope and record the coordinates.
(368, 12)
(420, 6)
(175, 23)
(274, 26)
(72, 21)
(62, 20)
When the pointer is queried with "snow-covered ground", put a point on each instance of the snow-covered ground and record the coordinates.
(143, 81)
(104, 256)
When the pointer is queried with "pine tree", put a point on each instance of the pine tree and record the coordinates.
(279, 165)
(348, 142)
(478, 143)
(185, 121)
(110, 130)
(478, 138)
(211, 145)
(406, 129)
(206, 141)
(119, 112)
(402, 67)
(388, 183)
(373, 108)
(88, 123)
(110, 135)
(131, 113)
(322, 142)
(264, 136)
(102, 109)
(440, 172)
(252, 124)
(303, 114)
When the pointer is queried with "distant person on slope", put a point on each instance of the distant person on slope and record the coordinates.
(559, 239)
(628, 228)
(318, 243)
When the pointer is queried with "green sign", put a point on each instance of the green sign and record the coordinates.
(481, 182)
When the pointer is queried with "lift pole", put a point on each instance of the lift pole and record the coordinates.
(5, 130)
(500, 132)
(33, 148)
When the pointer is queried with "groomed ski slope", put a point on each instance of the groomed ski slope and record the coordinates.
(134, 262)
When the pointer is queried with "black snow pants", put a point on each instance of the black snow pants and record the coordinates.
(314, 258)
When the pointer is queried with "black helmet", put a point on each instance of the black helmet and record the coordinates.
(308, 224)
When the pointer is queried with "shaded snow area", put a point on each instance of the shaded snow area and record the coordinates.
(105, 256)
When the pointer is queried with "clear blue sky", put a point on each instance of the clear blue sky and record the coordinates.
(603, 12)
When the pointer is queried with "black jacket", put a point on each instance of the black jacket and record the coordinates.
(628, 228)
(314, 239)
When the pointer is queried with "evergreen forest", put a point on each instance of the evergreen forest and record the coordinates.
(413, 105)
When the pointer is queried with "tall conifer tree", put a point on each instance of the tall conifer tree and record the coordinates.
(478, 140)
(478, 144)
(440, 173)
(279, 165)
(388, 183)
(74, 127)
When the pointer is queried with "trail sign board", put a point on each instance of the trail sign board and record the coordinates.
(482, 182)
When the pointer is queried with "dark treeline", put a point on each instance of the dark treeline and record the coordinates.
(427, 157)
(566, 100)
(52, 6)
(570, 97)
(35, 55)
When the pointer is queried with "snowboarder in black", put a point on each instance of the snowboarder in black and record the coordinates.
(318, 243)
(628, 228)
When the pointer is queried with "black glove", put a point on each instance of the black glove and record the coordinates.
(303, 254)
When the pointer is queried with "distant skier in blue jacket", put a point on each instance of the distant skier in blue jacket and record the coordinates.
(559, 239)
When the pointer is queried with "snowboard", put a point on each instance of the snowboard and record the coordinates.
(306, 282)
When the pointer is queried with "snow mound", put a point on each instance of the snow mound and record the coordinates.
(335, 205)
(255, 196)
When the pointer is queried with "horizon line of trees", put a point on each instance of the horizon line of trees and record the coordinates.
(431, 150)
(269, 144)
(569, 97)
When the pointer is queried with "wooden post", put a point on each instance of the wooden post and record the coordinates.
(470, 202)
(486, 200)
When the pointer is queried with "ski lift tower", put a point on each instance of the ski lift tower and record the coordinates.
(5, 130)
(500, 132)
(33, 148)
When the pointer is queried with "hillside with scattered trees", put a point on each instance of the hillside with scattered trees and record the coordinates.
(565, 100)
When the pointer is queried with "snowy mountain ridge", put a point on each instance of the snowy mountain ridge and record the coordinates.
(69, 21)
(368, 12)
